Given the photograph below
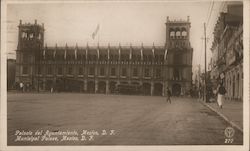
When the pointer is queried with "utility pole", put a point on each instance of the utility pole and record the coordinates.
(205, 76)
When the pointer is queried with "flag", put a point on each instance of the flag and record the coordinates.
(153, 51)
(98, 53)
(119, 51)
(130, 53)
(65, 54)
(166, 53)
(141, 51)
(108, 52)
(54, 54)
(87, 47)
(141, 54)
(75, 53)
(96, 31)
(43, 53)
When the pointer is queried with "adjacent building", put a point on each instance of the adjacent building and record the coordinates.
(227, 51)
(98, 69)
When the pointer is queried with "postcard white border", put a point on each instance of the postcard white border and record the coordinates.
(3, 103)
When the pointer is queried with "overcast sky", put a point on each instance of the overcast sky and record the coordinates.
(120, 22)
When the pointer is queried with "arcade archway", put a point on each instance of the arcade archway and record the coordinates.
(176, 89)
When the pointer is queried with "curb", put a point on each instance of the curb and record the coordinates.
(223, 116)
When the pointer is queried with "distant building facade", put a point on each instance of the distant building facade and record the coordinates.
(11, 65)
(227, 51)
(98, 69)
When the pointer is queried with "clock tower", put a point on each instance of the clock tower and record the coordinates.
(180, 55)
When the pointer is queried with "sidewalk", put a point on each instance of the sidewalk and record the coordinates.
(232, 112)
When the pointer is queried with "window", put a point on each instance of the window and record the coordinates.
(80, 71)
(112, 71)
(176, 74)
(102, 72)
(124, 71)
(49, 70)
(70, 70)
(146, 72)
(178, 34)
(31, 36)
(25, 70)
(59, 70)
(184, 34)
(25, 58)
(172, 34)
(91, 71)
(111, 57)
(158, 73)
(39, 70)
(122, 57)
(135, 72)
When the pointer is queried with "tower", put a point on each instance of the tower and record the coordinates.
(180, 55)
(30, 44)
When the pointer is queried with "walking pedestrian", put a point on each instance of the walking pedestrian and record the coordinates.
(221, 91)
(168, 96)
(21, 85)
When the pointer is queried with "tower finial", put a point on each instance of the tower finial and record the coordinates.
(167, 18)
(35, 21)
(20, 21)
(188, 18)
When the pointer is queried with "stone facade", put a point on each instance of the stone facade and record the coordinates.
(97, 69)
(227, 50)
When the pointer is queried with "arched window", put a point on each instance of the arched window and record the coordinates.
(172, 34)
(178, 34)
(176, 74)
(184, 34)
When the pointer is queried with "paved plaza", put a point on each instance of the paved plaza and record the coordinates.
(127, 120)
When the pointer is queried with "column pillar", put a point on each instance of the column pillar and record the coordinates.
(96, 86)
(44, 84)
(107, 87)
(85, 86)
(152, 89)
(163, 88)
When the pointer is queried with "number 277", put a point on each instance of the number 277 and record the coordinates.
(229, 140)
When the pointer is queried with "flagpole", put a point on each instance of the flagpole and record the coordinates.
(99, 33)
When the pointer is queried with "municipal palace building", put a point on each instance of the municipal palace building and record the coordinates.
(99, 69)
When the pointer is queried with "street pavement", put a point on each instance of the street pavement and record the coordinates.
(232, 111)
(128, 120)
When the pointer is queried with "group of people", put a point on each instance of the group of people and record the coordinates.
(219, 92)
(24, 87)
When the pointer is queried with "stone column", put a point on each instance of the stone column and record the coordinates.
(44, 84)
(96, 86)
(152, 89)
(107, 87)
(163, 88)
(85, 86)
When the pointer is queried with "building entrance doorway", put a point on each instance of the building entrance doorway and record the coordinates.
(176, 89)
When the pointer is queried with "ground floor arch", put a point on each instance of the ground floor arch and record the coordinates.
(176, 89)
(91, 87)
(146, 89)
(102, 87)
(112, 86)
(158, 87)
